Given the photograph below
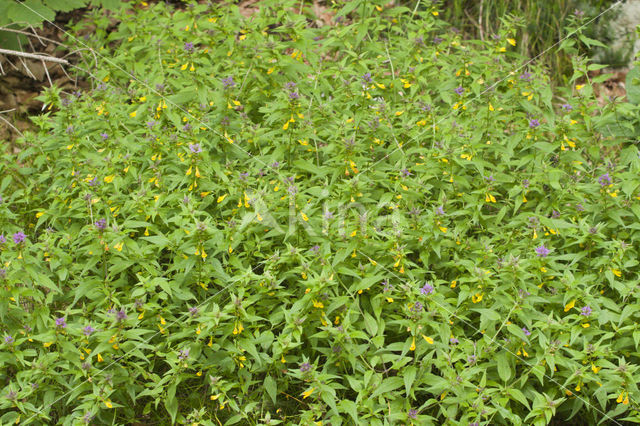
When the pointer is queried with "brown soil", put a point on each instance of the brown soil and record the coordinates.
(22, 79)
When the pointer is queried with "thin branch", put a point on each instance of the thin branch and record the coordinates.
(12, 126)
(27, 69)
(80, 50)
(65, 73)
(415, 9)
(47, 72)
(480, 20)
(36, 34)
(24, 64)
(33, 56)
(473, 21)
(39, 37)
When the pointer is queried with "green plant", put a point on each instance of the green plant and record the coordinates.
(18, 14)
(258, 221)
(542, 25)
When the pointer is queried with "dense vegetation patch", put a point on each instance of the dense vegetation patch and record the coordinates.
(261, 221)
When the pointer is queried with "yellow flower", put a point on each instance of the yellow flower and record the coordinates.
(306, 394)
(304, 217)
(237, 329)
(413, 345)
(429, 340)
(226, 136)
(100, 359)
(595, 369)
(477, 297)
(511, 41)
(317, 304)
(569, 305)
(133, 114)
(108, 404)
(109, 178)
(620, 397)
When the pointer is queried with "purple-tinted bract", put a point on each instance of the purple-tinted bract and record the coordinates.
(605, 179)
(542, 251)
(19, 237)
(426, 289)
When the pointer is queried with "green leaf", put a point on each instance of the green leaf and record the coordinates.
(65, 5)
(371, 324)
(271, 387)
(518, 396)
(110, 4)
(389, 384)
(409, 377)
(171, 402)
(632, 85)
(31, 12)
(349, 407)
(504, 369)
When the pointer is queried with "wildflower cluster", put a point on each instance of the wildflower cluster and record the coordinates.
(375, 221)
